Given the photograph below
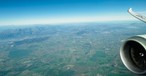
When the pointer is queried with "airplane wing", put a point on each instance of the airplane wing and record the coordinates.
(136, 15)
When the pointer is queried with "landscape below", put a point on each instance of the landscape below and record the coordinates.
(86, 49)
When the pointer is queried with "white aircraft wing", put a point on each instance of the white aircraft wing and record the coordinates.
(136, 15)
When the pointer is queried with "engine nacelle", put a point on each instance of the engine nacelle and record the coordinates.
(133, 54)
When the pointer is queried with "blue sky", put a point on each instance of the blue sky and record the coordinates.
(21, 12)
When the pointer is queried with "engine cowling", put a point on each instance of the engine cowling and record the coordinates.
(133, 54)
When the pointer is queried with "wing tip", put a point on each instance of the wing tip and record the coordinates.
(138, 16)
(130, 9)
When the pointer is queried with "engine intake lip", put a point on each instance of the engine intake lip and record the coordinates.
(133, 47)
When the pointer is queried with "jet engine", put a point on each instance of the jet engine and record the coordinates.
(133, 54)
